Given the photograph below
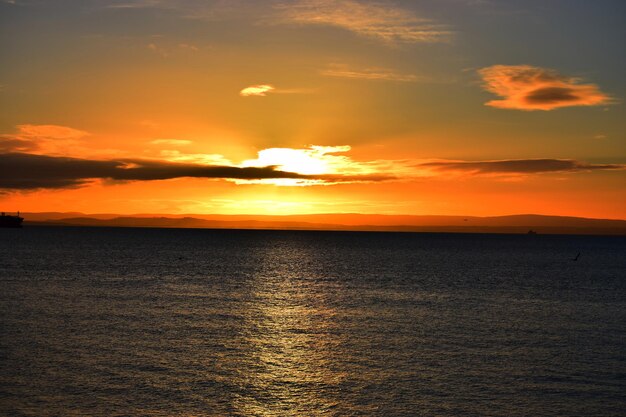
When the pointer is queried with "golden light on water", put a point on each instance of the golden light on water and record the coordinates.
(291, 340)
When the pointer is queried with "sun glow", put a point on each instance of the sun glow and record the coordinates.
(312, 161)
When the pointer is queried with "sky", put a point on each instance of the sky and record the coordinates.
(447, 107)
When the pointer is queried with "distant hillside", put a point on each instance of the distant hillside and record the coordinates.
(359, 222)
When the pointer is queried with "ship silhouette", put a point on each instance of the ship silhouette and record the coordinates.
(7, 220)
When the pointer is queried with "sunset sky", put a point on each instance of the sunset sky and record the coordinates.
(454, 107)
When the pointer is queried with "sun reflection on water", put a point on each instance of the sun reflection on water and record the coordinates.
(291, 339)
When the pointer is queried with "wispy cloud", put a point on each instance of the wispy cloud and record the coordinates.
(374, 20)
(158, 49)
(135, 4)
(45, 138)
(49, 132)
(174, 155)
(166, 49)
(517, 166)
(262, 90)
(524, 87)
(380, 74)
(189, 9)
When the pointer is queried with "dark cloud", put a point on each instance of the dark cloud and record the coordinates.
(519, 166)
(336, 178)
(552, 95)
(28, 171)
(23, 171)
(15, 144)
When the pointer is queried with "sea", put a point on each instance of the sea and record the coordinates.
(198, 322)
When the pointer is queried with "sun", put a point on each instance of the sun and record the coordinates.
(302, 161)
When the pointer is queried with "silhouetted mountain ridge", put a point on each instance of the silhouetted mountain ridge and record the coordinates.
(521, 223)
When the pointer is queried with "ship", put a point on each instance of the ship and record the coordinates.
(7, 220)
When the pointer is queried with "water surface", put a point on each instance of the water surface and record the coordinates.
(181, 322)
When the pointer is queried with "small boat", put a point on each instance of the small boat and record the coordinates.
(531, 232)
(11, 221)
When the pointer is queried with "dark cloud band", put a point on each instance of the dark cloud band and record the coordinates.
(23, 171)
(28, 171)
(519, 166)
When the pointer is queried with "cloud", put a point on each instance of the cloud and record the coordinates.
(313, 165)
(196, 158)
(30, 137)
(189, 47)
(517, 166)
(312, 160)
(135, 4)
(525, 87)
(16, 144)
(262, 90)
(382, 74)
(166, 49)
(29, 171)
(158, 50)
(257, 90)
(50, 132)
(323, 166)
(24, 171)
(383, 22)
(208, 10)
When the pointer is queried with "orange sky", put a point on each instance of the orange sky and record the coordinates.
(313, 106)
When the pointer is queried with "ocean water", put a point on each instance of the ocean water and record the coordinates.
(173, 322)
